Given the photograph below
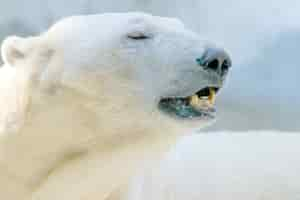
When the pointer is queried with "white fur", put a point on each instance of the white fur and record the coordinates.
(78, 103)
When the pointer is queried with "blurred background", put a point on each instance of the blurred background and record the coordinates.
(262, 37)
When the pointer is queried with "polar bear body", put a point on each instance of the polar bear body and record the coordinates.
(79, 103)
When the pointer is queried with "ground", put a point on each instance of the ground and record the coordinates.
(226, 165)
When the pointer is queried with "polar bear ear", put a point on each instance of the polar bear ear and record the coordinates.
(13, 50)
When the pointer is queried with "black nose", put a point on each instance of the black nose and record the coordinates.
(215, 59)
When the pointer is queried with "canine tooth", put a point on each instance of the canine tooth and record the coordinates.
(194, 100)
(212, 96)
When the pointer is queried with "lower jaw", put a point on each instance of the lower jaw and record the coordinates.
(187, 113)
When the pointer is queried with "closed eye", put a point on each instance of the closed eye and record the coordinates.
(138, 36)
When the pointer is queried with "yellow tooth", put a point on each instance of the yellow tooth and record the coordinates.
(212, 96)
(194, 100)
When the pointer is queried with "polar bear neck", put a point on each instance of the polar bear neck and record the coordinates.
(40, 148)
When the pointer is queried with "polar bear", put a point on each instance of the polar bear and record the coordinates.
(89, 102)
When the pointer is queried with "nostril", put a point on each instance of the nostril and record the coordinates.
(225, 66)
(215, 59)
(214, 65)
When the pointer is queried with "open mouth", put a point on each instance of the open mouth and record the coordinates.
(199, 105)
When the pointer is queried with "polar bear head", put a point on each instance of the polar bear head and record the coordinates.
(118, 73)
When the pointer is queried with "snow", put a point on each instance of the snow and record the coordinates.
(227, 165)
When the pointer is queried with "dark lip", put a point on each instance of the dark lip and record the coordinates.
(180, 108)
